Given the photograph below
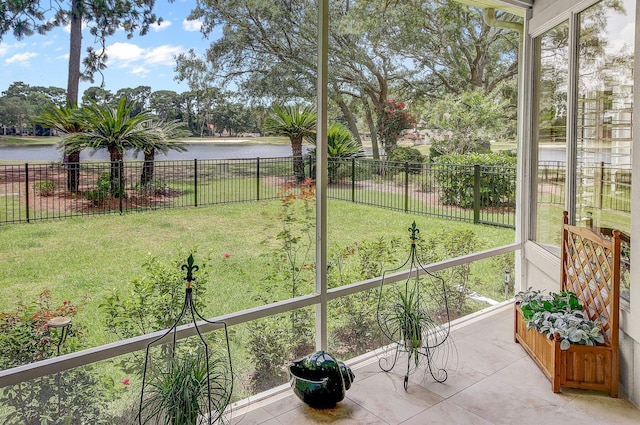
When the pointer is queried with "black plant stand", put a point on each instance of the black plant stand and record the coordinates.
(393, 318)
(219, 378)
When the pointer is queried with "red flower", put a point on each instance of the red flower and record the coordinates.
(125, 381)
(226, 255)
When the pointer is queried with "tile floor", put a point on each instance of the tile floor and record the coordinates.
(493, 381)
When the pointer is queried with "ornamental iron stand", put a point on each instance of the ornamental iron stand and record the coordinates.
(413, 325)
(180, 395)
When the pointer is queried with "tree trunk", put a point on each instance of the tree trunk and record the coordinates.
(351, 120)
(298, 165)
(116, 175)
(372, 128)
(73, 83)
(148, 168)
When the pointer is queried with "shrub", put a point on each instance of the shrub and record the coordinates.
(73, 396)
(155, 300)
(455, 176)
(45, 187)
(393, 119)
(102, 190)
(25, 336)
(407, 154)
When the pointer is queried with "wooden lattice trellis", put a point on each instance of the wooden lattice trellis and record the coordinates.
(590, 269)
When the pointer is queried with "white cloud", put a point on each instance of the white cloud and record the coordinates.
(163, 26)
(123, 53)
(191, 25)
(140, 61)
(140, 70)
(163, 55)
(21, 58)
(3, 49)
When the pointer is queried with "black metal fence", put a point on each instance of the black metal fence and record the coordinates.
(32, 192)
(602, 186)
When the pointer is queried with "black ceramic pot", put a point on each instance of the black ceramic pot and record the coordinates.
(320, 380)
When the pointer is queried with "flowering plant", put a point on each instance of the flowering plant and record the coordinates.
(393, 119)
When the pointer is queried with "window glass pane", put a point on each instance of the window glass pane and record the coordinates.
(604, 118)
(551, 81)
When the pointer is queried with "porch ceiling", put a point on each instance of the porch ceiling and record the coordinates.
(515, 7)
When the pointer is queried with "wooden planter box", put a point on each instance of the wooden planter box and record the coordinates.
(590, 268)
(581, 366)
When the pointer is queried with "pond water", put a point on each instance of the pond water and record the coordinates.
(201, 150)
(194, 151)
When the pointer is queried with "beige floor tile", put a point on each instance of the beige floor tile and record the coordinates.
(347, 412)
(525, 375)
(257, 416)
(446, 413)
(283, 405)
(504, 404)
(474, 352)
(602, 409)
(457, 380)
(384, 396)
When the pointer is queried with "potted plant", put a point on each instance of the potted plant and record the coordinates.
(408, 319)
(559, 314)
(189, 393)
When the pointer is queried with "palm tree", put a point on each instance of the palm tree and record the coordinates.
(298, 123)
(116, 130)
(164, 143)
(341, 145)
(65, 120)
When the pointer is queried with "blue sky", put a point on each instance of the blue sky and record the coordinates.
(149, 60)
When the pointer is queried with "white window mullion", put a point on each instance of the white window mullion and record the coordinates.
(572, 104)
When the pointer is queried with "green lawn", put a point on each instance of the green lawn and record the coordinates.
(84, 259)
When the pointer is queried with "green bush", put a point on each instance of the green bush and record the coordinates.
(45, 187)
(455, 176)
(406, 154)
(102, 190)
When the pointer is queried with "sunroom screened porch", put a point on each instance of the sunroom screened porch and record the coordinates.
(537, 262)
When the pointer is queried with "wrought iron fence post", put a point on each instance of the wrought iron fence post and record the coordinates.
(476, 194)
(195, 182)
(26, 189)
(257, 178)
(406, 186)
(353, 180)
(121, 184)
(599, 202)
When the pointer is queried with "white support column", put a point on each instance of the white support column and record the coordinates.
(525, 164)
(572, 120)
(321, 175)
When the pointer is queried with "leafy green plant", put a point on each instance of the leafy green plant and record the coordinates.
(532, 302)
(155, 300)
(101, 192)
(353, 323)
(292, 274)
(446, 244)
(559, 314)
(25, 336)
(182, 395)
(456, 178)
(407, 154)
(73, 396)
(45, 187)
(409, 319)
(341, 146)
